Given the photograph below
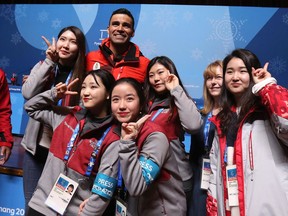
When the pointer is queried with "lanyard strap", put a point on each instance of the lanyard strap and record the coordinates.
(157, 114)
(206, 129)
(71, 142)
(95, 152)
(120, 181)
(66, 82)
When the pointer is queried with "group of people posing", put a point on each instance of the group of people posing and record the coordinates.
(111, 124)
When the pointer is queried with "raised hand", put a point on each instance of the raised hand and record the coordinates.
(260, 74)
(62, 89)
(130, 131)
(171, 81)
(4, 154)
(51, 52)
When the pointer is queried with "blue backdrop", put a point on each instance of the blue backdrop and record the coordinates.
(192, 36)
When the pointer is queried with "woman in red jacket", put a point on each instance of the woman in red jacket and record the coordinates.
(6, 139)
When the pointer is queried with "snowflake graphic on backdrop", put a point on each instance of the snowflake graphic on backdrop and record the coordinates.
(4, 62)
(56, 23)
(285, 18)
(16, 38)
(20, 11)
(227, 30)
(148, 48)
(277, 65)
(7, 12)
(196, 54)
(43, 16)
(164, 18)
(188, 16)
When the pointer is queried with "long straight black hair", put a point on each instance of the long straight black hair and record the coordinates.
(248, 99)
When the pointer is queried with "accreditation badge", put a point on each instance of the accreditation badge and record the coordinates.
(205, 174)
(61, 194)
(232, 185)
(121, 207)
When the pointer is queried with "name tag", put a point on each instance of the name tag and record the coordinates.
(121, 209)
(61, 194)
(232, 185)
(205, 175)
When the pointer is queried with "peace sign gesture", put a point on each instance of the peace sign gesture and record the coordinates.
(130, 131)
(62, 89)
(260, 74)
(51, 52)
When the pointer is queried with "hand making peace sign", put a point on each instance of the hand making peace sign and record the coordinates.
(51, 52)
(62, 89)
(130, 131)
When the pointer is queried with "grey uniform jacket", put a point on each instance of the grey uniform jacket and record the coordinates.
(37, 107)
(163, 196)
(35, 84)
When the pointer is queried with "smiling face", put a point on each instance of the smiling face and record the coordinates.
(237, 77)
(120, 29)
(157, 75)
(214, 82)
(125, 103)
(67, 47)
(94, 96)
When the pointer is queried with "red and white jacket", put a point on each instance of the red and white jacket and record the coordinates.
(261, 158)
(133, 64)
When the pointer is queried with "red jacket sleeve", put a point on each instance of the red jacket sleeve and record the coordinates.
(275, 98)
(211, 206)
(6, 138)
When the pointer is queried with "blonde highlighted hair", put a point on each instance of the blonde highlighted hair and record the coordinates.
(208, 72)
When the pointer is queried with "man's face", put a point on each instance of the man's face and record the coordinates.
(120, 29)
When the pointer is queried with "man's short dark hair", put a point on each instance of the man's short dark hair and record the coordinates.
(123, 11)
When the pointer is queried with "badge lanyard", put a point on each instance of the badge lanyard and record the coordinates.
(66, 82)
(157, 114)
(93, 154)
(206, 130)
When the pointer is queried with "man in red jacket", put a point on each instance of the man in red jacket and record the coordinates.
(6, 139)
(116, 53)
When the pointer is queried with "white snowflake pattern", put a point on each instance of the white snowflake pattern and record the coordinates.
(165, 18)
(148, 48)
(7, 11)
(16, 38)
(43, 16)
(20, 11)
(227, 30)
(56, 23)
(188, 16)
(196, 54)
(277, 65)
(285, 18)
(4, 62)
